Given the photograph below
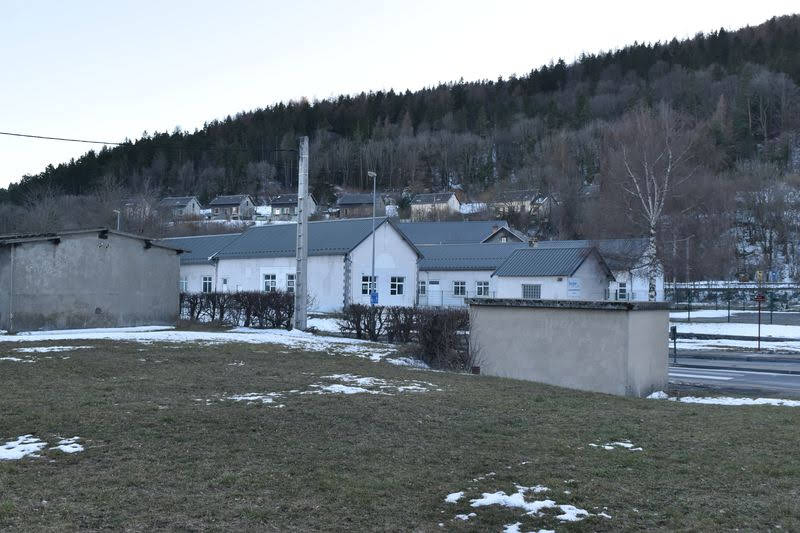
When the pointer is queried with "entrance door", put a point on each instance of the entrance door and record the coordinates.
(434, 293)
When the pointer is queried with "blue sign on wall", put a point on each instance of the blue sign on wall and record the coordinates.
(373, 298)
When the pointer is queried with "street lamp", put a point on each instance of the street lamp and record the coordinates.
(373, 293)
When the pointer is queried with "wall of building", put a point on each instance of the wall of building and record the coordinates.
(589, 282)
(638, 285)
(613, 348)
(443, 296)
(393, 257)
(193, 275)
(85, 281)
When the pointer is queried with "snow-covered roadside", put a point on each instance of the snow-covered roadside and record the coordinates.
(293, 339)
(724, 400)
(767, 346)
(739, 330)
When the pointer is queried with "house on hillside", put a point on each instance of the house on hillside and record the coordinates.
(86, 279)
(434, 206)
(178, 207)
(284, 206)
(197, 269)
(631, 262)
(450, 273)
(454, 232)
(358, 205)
(232, 207)
(533, 273)
(339, 263)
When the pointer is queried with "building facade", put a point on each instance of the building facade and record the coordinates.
(233, 207)
(434, 206)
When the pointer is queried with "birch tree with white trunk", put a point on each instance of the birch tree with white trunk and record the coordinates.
(653, 148)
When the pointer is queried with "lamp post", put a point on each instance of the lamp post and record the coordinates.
(373, 282)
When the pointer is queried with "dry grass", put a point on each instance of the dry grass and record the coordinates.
(157, 459)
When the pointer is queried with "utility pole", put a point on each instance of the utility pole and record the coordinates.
(373, 293)
(301, 274)
(117, 211)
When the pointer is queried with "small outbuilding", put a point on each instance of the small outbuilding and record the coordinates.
(86, 278)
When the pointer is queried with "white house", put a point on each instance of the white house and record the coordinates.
(434, 206)
(450, 273)
(180, 206)
(339, 263)
(558, 273)
(198, 270)
(284, 207)
(630, 260)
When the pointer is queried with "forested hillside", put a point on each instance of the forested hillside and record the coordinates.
(729, 100)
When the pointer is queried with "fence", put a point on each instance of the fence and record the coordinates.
(732, 296)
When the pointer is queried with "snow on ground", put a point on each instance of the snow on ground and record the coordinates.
(347, 384)
(703, 313)
(569, 513)
(147, 335)
(20, 447)
(733, 344)
(740, 330)
(69, 445)
(324, 324)
(724, 400)
(465, 517)
(17, 360)
(453, 497)
(626, 444)
(45, 349)
(407, 361)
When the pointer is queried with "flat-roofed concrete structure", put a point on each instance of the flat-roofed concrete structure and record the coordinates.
(85, 279)
(612, 347)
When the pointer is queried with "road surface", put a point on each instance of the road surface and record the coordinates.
(740, 381)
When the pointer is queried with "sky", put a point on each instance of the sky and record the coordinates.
(109, 71)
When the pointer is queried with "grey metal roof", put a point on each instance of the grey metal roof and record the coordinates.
(283, 199)
(199, 248)
(355, 199)
(328, 237)
(55, 236)
(619, 254)
(529, 262)
(466, 256)
(432, 198)
(175, 201)
(421, 233)
(234, 199)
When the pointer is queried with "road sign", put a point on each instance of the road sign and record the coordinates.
(759, 297)
(373, 298)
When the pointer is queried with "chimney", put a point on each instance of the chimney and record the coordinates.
(532, 241)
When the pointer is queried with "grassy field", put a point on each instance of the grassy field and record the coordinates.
(165, 449)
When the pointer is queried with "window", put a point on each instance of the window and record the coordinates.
(481, 288)
(183, 285)
(206, 283)
(396, 285)
(216, 210)
(270, 283)
(422, 287)
(622, 291)
(459, 288)
(368, 283)
(504, 239)
(289, 282)
(531, 292)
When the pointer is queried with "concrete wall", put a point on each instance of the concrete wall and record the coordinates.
(85, 281)
(616, 348)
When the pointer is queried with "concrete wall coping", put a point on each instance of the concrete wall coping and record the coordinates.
(570, 304)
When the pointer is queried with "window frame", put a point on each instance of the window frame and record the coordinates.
(207, 280)
(270, 282)
(459, 288)
(481, 288)
(291, 282)
(622, 290)
(397, 285)
(183, 285)
(367, 283)
(422, 287)
(535, 287)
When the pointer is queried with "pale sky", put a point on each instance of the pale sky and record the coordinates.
(108, 70)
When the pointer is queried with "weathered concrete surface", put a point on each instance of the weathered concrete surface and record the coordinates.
(611, 347)
(86, 281)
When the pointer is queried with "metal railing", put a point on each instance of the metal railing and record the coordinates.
(450, 298)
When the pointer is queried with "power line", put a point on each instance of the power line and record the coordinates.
(45, 137)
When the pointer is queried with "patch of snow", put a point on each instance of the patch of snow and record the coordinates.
(407, 361)
(340, 389)
(536, 489)
(236, 363)
(658, 395)
(45, 349)
(22, 446)
(626, 444)
(254, 397)
(517, 500)
(570, 513)
(740, 330)
(324, 324)
(465, 517)
(453, 497)
(17, 360)
(604, 515)
(69, 445)
(711, 400)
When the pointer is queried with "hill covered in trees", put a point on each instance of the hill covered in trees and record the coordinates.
(733, 102)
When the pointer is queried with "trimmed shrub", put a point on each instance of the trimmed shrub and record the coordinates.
(443, 338)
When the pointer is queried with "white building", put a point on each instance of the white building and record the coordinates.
(339, 264)
(433, 206)
(557, 273)
(630, 261)
(450, 273)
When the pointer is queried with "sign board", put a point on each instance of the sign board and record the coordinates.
(759, 297)
(373, 298)
(759, 276)
(574, 287)
(673, 332)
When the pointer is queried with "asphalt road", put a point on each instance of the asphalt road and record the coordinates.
(734, 379)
